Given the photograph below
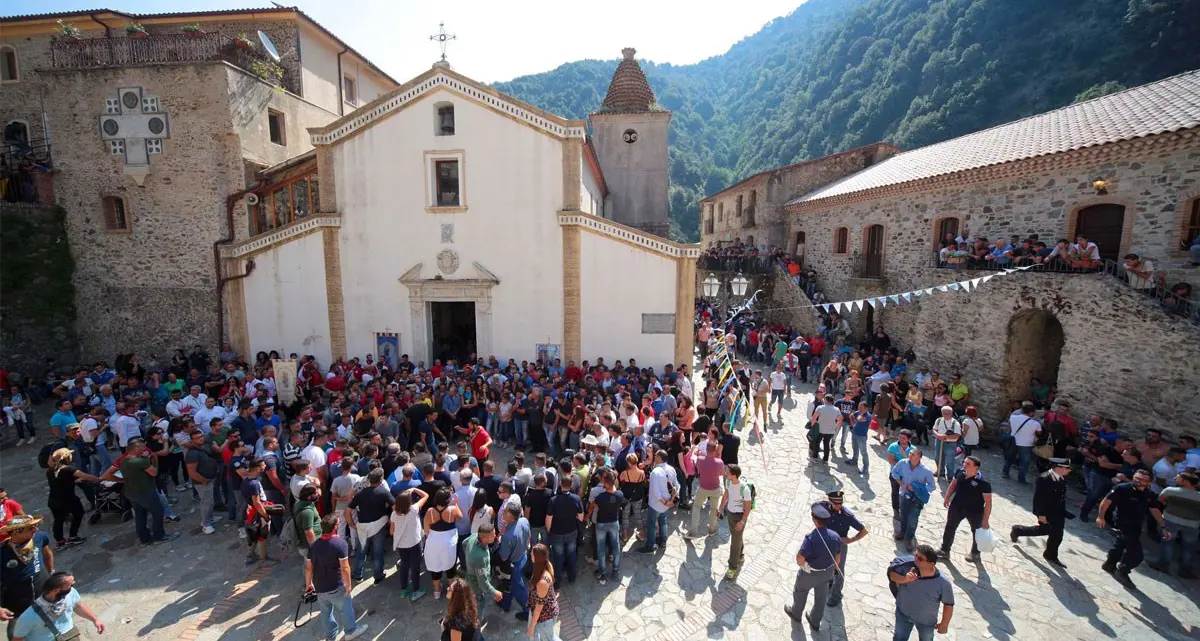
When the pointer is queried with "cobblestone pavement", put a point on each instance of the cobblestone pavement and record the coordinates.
(198, 588)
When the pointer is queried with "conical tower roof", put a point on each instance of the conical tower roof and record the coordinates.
(629, 92)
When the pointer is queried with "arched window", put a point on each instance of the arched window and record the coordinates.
(10, 71)
(443, 124)
(116, 216)
(841, 240)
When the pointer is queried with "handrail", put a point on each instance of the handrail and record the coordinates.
(1175, 304)
(746, 264)
(90, 53)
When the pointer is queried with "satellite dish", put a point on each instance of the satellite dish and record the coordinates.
(268, 46)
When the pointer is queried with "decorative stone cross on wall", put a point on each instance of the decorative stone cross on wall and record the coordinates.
(134, 126)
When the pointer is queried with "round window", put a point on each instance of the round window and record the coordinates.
(630, 136)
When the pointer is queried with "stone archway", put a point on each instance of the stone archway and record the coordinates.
(1034, 348)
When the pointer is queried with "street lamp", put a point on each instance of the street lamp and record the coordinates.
(711, 286)
(739, 285)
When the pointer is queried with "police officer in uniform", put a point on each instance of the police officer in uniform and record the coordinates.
(818, 555)
(1050, 508)
(841, 520)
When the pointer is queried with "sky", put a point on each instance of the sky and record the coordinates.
(498, 40)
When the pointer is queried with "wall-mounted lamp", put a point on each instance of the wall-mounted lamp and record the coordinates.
(1101, 186)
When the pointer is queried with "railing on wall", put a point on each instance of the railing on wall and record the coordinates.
(90, 53)
(869, 266)
(1179, 299)
(744, 264)
(20, 162)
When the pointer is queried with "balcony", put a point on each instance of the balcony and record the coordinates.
(867, 266)
(742, 264)
(94, 53)
(25, 172)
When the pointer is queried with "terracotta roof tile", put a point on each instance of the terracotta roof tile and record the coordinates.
(1168, 105)
(629, 91)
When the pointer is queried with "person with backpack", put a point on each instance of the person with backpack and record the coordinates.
(1018, 443)
(818, 557)
(736, 504)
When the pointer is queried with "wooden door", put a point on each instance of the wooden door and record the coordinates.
(873, 258)
(1102, 224)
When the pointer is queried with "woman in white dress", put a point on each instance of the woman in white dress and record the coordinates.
(441, 538)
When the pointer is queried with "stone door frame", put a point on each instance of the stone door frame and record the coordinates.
(476, 290)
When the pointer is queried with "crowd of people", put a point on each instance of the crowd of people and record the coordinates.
(371, 464)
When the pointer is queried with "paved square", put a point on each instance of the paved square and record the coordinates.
(198, 588)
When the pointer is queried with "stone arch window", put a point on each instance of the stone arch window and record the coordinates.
(10, 68)
(943, 229)
(116, 214)
(841, 240)
(443, 119)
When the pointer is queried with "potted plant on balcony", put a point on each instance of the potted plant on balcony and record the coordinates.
(192, 30)
(69, 32)
(267, 70)
(136, 30)
(242, 41)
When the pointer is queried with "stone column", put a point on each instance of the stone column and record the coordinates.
(685, 305)
(327, 180)
(572, 150)
(572, 295)
(333, 289)
(235, 308)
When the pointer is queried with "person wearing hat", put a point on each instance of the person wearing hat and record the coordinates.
(946, 432)
(25, 560)
(1050, 508)
(820, 552)
(841, 520)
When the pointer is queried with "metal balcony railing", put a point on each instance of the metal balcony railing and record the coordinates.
(1178, 300)
(743, 264)
(91, 53)
(868, 266)
(19, 162)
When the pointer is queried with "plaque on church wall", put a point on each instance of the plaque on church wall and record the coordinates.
(658, 323)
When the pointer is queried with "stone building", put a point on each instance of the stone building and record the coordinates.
(752, 209)
(150, 123)
(1123, 169)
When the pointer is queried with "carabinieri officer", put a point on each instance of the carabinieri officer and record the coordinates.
(818, 555)
(841, 520)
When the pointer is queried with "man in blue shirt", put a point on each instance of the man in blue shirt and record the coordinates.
(514, 545)
(919, 588)
(59, 604)
(841, 520)
(916, 484)
(818, 558)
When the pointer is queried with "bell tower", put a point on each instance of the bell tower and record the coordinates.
(629, 133)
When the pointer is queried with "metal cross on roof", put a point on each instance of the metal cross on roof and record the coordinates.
(442, 38)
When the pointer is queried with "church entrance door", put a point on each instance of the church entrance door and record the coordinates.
(1035, 344)
(452, 329)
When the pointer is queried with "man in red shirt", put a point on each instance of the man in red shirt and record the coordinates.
(481, 441)
(8, 509)
(573, 373)
(817, 343)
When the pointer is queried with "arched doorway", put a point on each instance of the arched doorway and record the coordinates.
(1034, 347)
(1102, 224)
(798, 249)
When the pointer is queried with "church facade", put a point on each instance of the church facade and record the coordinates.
(455, 220)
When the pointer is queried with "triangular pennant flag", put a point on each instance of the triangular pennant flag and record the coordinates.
(984, 279)
(953, 287)
(871, 302)
(907, 296)
(856, 305)
(895, 299)
(942, 288)
(966, 285)
(929, 291)
(837, 307)
(882, 300)
(919, 292)
(1009, 271)
(975, 282)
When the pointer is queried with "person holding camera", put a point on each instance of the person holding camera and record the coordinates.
(327, 579)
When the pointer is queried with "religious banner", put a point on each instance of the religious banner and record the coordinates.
(546, 353)
(285, 379)
(387, 347)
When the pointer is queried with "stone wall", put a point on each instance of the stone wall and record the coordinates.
(150, 288)
(789, 305)
(37, 296)
(1120, 349)
(771, 190)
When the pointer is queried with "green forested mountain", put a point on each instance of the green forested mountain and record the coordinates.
(836, 74)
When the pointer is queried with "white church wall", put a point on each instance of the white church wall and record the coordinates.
(619, 284)
(591, 198)
(511, 178)
(286, 305)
